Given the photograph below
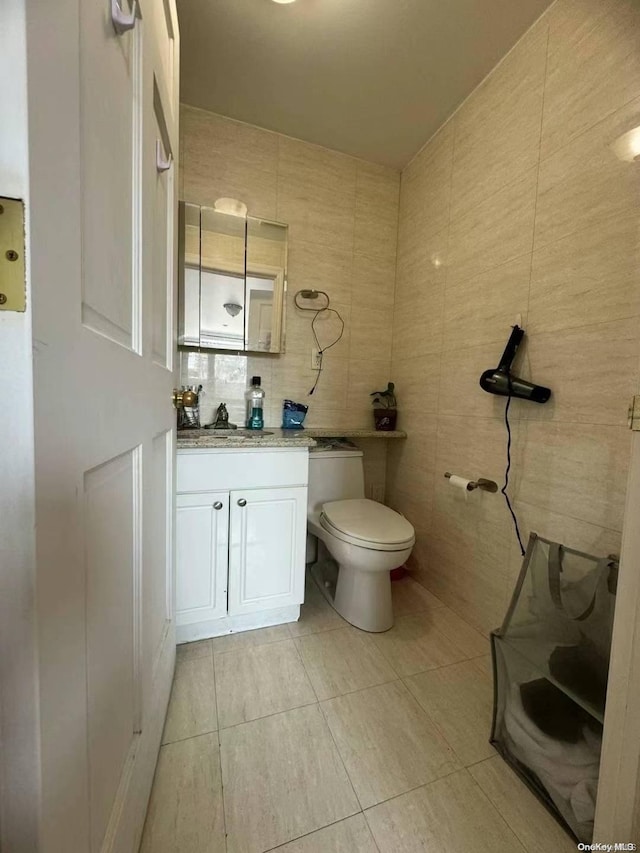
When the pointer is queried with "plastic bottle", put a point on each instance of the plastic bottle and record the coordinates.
(255, 404)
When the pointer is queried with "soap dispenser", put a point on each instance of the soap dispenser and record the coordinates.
(255, 404)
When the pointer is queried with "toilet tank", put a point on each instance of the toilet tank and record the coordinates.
(334, 475)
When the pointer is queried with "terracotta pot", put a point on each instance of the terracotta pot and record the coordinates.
(385, 419)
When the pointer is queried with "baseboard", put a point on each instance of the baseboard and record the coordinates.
(234, 624)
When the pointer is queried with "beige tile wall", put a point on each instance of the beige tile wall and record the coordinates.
(343, 216)
(518, 207)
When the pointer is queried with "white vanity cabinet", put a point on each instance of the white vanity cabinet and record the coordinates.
(267, 546)
(241, 534)
(202, 548)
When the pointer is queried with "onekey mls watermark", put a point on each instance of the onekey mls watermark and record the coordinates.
(607, 848)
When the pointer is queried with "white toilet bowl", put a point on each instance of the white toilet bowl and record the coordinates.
(367, 540)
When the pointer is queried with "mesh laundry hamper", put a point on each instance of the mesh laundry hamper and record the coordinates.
(551, 661)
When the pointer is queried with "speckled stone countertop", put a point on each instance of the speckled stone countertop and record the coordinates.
(332, 432)
(203, 438)
(238, 438)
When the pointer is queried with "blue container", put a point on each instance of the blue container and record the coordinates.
(293, 414)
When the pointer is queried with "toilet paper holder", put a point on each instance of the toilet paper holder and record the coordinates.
(481, 483)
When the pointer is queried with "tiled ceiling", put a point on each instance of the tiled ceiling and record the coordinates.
(372, 78)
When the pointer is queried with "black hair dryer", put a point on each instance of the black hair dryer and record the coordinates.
(502, 382)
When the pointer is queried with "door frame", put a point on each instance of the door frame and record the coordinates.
(19, 723)
(617, 818)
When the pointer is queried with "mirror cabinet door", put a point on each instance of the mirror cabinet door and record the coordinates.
(266, 281)
(233, 276)
(222, 273)
(189, 275)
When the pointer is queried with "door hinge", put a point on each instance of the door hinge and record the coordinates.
(634, 413)
(12, 270)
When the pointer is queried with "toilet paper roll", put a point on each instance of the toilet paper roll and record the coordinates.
(460, 483)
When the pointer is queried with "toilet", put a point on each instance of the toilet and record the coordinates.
(353, 543)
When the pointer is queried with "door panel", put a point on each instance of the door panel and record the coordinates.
(110, 84)
(267, 549)
(112, 548)
(104, 424)
(202, 542)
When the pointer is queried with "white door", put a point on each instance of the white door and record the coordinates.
(266, 549)
(103, 111)
(202, 556)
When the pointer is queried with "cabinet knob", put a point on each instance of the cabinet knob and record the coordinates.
(242, 502)
(217, 505)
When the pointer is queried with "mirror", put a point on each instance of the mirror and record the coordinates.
(232, 284)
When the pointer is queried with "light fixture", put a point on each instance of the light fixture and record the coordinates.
(231, 206)
(284, 1)
(232, 308)
(627, 146)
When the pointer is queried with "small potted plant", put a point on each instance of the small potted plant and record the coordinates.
(385, 412)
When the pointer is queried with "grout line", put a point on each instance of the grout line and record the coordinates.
(215, 690)
(369, 826)
(496, 809)
(360, 690)
(278, 177)
(268, 716)
(570, 143)
(496, 754)
(439, 729)
(301, 659)
(590, 325)
(322, 631)
(572, 517)
(222, 794)
(410, 791)
(252, 646)
(324, 717)
(222, 786)
(337, 748)
(431, 488)
(189, 737)
(181, 660)
(441, 666)
(311, 832)
(535, 204)
(458, 416)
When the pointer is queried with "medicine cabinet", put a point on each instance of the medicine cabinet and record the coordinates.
(232, 282)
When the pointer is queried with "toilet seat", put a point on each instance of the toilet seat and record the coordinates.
(367, 524)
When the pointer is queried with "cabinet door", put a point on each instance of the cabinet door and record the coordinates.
(267, 549)
(202, 547)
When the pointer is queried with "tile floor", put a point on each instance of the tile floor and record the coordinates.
(315, 737)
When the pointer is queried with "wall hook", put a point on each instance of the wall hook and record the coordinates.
(162, 165)
(123, 21)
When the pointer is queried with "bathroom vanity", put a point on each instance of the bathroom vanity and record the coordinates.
(241, 533)
(241, 527)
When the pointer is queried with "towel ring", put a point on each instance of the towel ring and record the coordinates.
(311, 295)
